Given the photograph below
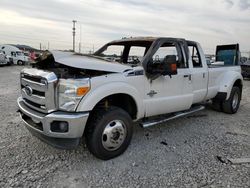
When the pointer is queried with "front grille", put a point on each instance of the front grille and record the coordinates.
(39, 93)
(37, 105)
(35, 92)
(38, 89)
(32, 78)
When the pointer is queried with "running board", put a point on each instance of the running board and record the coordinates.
(164, 119)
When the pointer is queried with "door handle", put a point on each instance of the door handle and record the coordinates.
(189, 76)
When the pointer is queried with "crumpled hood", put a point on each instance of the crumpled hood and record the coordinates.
(86, 62)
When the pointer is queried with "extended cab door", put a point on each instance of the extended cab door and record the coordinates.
(199, 72)
(167, 94)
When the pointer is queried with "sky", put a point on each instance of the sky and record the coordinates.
(210, 22)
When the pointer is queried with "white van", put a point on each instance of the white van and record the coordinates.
(14, 54)
(3, 59)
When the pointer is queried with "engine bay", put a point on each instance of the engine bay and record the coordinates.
(47, 62)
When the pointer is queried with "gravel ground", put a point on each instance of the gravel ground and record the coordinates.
(181, 153)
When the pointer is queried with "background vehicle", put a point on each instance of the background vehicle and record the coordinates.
(245, 66)
(149, 80)
(16, 55)
(246, 69)
(3, 59)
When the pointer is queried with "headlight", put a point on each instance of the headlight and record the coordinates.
(70, 93)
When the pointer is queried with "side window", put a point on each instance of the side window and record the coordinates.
(195, 56)
(136, 54)
(13, 54)
(168, 51)
(164, 51)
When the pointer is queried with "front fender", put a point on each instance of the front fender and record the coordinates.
(89, 101)
(227, 81)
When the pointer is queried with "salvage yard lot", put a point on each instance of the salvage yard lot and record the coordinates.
(186, 152)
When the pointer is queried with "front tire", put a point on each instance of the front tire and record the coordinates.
(231, 105)
(109, 132)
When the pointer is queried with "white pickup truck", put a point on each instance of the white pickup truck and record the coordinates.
(66, 96)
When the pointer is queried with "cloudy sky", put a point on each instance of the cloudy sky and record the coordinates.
(210, 22)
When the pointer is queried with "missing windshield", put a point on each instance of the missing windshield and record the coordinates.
(126, 52)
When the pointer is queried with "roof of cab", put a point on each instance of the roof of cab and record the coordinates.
(145, 39)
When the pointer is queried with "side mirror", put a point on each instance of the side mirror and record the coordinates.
(166, 67)
(170, 65)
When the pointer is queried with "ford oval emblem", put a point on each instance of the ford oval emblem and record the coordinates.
(28, 90)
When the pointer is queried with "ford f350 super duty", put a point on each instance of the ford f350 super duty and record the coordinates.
(67, 96)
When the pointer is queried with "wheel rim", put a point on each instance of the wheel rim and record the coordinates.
(114, 135)
(235, 100)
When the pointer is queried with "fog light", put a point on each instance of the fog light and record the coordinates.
(63, 126)
(59, 126)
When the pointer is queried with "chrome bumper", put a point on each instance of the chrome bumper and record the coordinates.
(41, 123)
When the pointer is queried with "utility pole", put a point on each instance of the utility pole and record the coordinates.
(40, 46)
(80, 43)
(74, 34)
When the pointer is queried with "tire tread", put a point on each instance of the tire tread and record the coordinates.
(227, 106)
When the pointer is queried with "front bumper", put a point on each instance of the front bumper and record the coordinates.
(40, 125)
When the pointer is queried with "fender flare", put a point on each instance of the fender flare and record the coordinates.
(227, 80)
(89, 101)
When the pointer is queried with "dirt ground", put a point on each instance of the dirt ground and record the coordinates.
(186, 152)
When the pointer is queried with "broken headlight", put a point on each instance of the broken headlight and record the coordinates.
(70, 92)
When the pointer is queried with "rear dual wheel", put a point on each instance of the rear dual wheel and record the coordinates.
(231, 105)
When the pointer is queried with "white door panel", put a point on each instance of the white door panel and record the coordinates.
(199, 73)
(199, 80)
(171, 94)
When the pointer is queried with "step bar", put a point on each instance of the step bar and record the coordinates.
(164, 119)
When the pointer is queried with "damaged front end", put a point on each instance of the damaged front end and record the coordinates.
(51, 91)
(47, 62)
(72, 83)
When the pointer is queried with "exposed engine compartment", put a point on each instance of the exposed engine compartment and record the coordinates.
(47, 62)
